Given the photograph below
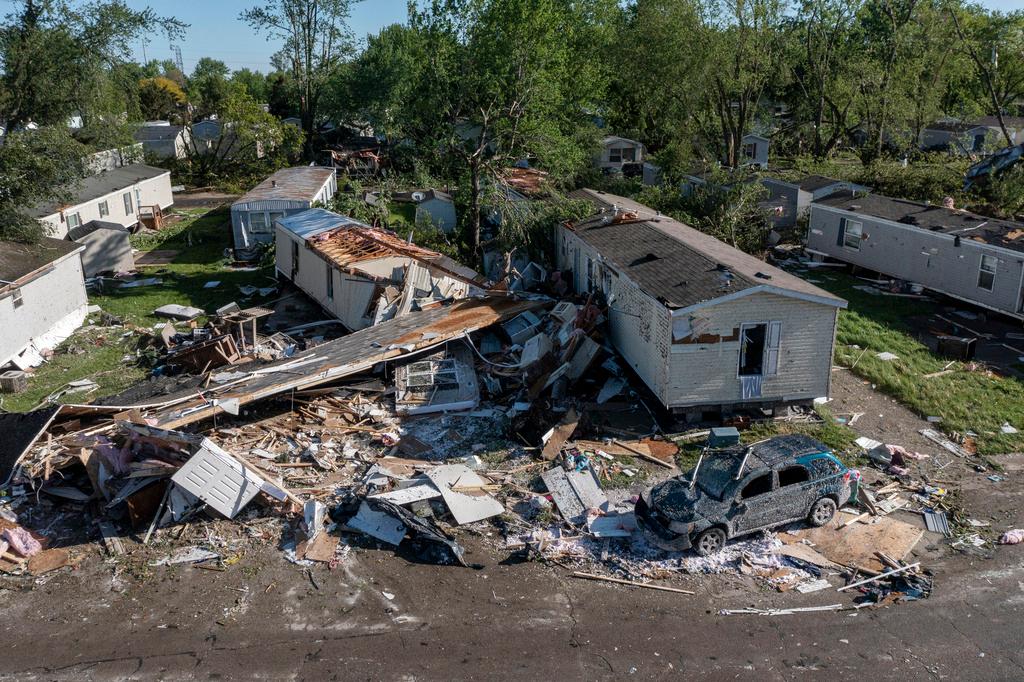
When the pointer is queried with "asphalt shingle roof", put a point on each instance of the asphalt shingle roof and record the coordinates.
(101, 184)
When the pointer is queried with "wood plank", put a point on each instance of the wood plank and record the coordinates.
(856, 545)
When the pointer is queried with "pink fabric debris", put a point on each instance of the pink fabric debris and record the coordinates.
(899, 450)
(22, 541)
(117, 458)
(1012, 537)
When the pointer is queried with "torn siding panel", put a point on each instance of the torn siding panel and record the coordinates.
(707, 374)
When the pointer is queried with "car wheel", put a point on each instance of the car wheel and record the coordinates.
(822, 512)
(710, 541)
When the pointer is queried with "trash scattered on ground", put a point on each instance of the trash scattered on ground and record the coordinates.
(1012, 537)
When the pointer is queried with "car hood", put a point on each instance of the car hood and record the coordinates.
(677, 501)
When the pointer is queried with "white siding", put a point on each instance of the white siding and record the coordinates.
(149, 192)
(53, 302)
(707, 374)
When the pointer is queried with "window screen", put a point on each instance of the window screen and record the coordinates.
(851, 232)
(987, 272)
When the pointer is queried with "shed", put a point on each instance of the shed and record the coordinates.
(957, 137)
(286, 192)
(957, 253)
(754, 150)
(617, 152)
(433, 207)
(361, 274)
(163, 140)
(705, 326)
(117, 195)
(107, 247)
(42, 297)
(795, 197)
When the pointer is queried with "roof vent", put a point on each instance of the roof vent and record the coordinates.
(762, 275)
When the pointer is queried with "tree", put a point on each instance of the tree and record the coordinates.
(282, 96)
(245, 134)
(316, 40)
(505, 80)
(254, 82)
(995, 44)
(160, 98)
(36, 166)
(53, 56)
(208, 86)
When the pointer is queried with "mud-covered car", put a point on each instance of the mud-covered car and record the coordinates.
(744, 489)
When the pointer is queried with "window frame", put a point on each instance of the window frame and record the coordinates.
(750, 151)
(628, 154)
(16, 298)
(791, 467)
(983, 271)
(615, 155)
(129, 206)
(330, 281)
(844, 228)
(77, 218)
(295, 259)
(264, 228)
(104, 208)
(764, 349)
(757, 477)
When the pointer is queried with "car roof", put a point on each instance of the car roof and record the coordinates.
(778, 451)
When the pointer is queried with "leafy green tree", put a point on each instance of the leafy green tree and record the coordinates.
(208, 86)
(254, 82)
(316, 40)
(282, 95)
(36, 166)
(53, 55)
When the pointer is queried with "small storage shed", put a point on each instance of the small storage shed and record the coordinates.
(795, 197)
(705, 326)
(754, 150)
(363, 275)
(42, 297)
(163, 140)
(618, 151)
(107, 247)
(433, 207)
(286, 192)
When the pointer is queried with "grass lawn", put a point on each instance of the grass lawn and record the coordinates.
(107, 357)
(966, 400)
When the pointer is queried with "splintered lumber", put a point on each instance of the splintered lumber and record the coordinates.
(631, 583)
(643, 455)
(560, 434)
(901, 569)
(352, 354)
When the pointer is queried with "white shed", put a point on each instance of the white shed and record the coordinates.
(163, 140)
(704, 325)
(754, 150)
(433, 207)
(42, 297)
(619, 151)
(286, 192)
(363, 275)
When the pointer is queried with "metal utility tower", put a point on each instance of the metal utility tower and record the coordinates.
(177, 58)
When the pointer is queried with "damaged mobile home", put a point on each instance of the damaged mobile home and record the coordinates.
(706, 326)
(363, 275)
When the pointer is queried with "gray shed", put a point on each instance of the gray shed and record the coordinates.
(107, 248)
(964, 255)
(795, 197)
(288, 191)
(704, 325)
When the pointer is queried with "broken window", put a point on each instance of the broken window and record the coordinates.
(793, 475)
(987, 272)
(759, 486)
(590, 275)
(850, 234)
(615, 155)
(16, 299)
(330, 282)
(753, 338)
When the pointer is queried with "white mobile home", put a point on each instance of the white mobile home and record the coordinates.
(960, 254)
(363, 275)
(114, 196)
(42, 297)
(705, 326)
(754, 150)
(286, 192)
(956, 137)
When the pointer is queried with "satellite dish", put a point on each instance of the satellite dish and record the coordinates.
(418, 196)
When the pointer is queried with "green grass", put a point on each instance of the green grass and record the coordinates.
(965, 400)
(99, 354)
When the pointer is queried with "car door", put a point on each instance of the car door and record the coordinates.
(755, 501)
(795, 492)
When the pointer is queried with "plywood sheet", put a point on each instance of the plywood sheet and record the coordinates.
(465, 507)
(855, 545)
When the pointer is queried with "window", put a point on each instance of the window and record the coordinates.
(750, 150)
(759, 486)
(793, 475)
(987, 272)
(752, 345)
(74, 220)
(16, 299)
(850, 234)
(274, 217)
(258, 223)
(590, 275)
(127, 196)
(104, 209)
(628, 154)
(330, 282)
(295, 259)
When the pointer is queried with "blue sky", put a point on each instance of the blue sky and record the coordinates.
(216, 31)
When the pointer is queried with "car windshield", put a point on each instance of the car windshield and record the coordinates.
(716, 473)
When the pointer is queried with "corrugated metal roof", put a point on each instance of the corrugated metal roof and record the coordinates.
(314, 221)
(301, 183)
